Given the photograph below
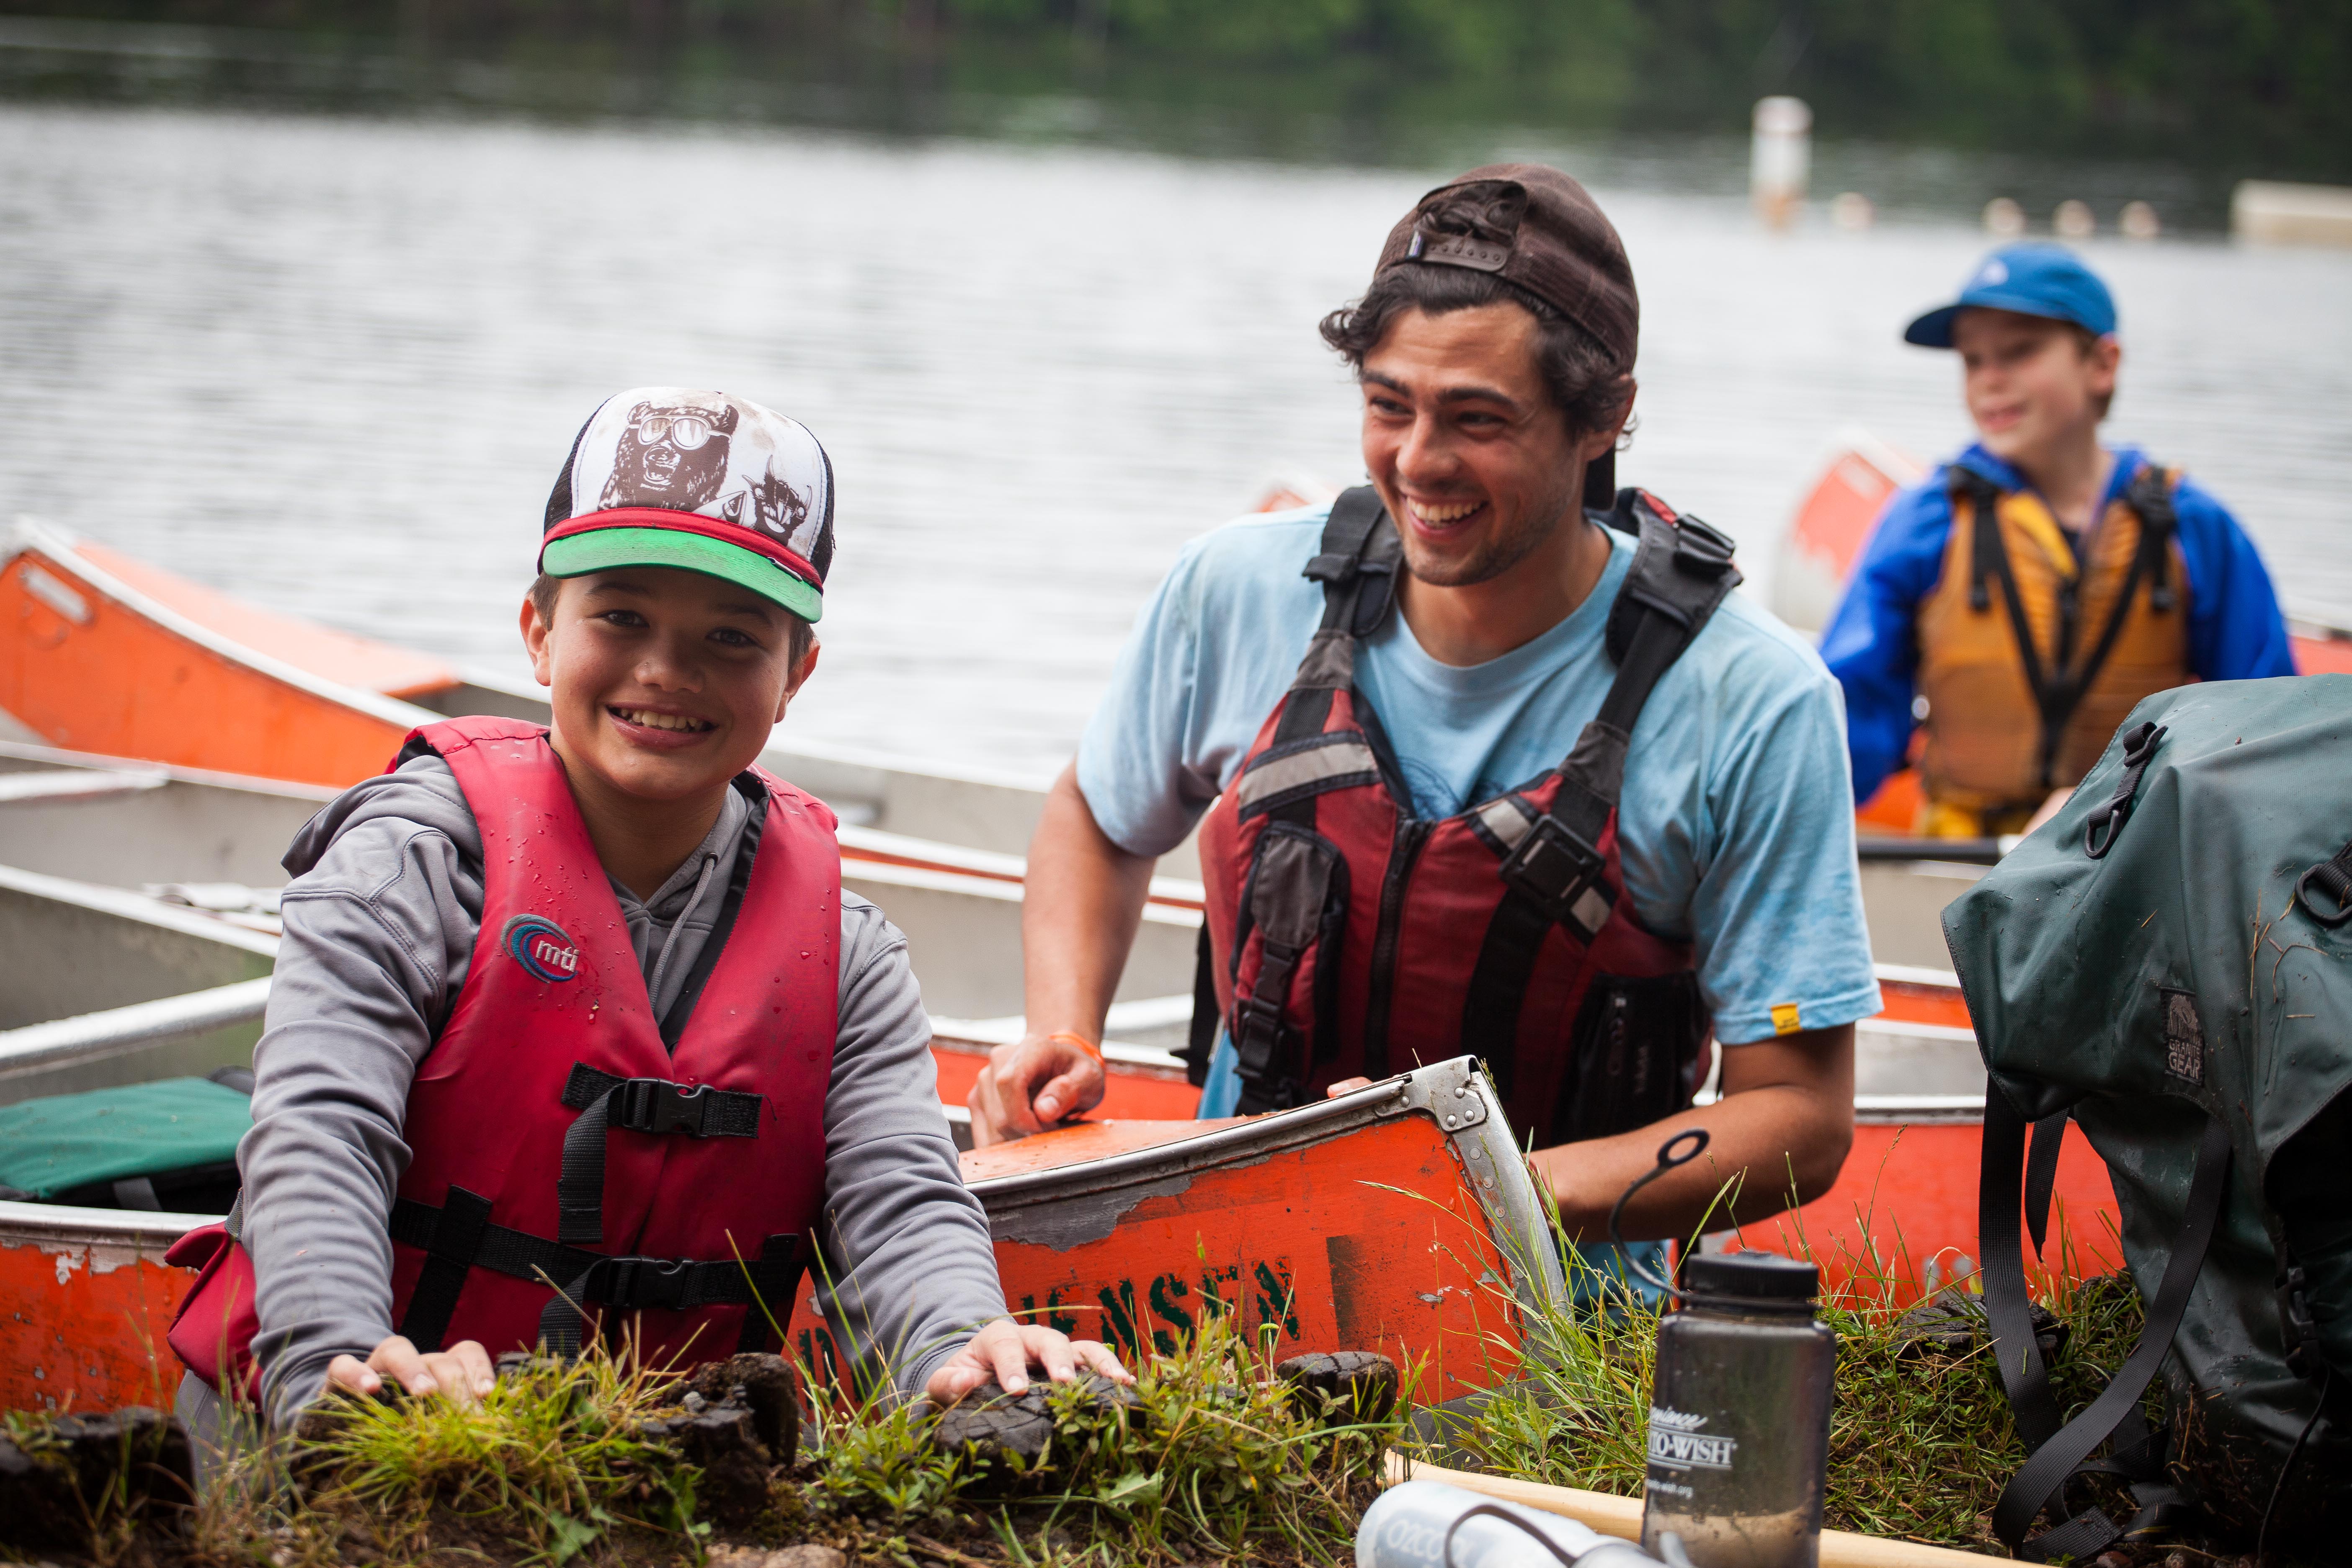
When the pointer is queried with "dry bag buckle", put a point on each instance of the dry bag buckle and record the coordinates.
(1556, 867)
(658, 1105)
(2335, 881)
(636, 1283)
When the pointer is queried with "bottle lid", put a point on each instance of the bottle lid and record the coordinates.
(1761, 1280)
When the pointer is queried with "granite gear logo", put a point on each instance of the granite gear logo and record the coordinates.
(540, 946)
(1676, 1442)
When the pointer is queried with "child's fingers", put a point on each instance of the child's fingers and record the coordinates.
(350, 1371)
(1099, 1358)
(1001, 1343)
(399, 1362)
(474, 1366)
(1051, 1349)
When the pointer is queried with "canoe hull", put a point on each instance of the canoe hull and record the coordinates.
(1363, 1223)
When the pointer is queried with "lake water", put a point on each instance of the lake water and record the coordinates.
(332, 364)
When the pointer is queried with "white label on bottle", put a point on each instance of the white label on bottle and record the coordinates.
(1676, 1442)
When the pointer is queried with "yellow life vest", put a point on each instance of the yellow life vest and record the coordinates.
(2030, 659)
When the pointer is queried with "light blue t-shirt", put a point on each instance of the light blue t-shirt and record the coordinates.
(1737, 820)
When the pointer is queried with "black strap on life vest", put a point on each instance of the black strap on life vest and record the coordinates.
(1356, 565)
(607, 1104)
(1682, 571)
(2059, 687)
(458, 1237)
(2059, 1453)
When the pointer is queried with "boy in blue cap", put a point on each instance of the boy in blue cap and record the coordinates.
(2034, 588)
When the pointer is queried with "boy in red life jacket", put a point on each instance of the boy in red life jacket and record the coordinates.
(590, 1005)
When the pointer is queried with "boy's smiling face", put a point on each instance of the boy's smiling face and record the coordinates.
(2032, 385)
(665, 683)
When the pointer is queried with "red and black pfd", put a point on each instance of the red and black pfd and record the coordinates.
(1346, 935)
(573, 1156)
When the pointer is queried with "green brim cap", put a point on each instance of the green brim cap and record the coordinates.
(609, 549)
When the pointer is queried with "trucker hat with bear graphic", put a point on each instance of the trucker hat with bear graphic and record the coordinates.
(704, 482)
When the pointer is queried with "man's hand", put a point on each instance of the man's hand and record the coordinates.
(1005, 1351)
(1028, 1086)
(463, 1371)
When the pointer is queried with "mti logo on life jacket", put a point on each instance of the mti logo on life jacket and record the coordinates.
(540, 946)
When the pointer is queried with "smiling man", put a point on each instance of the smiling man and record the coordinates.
(1497, 765)
(2036, 587)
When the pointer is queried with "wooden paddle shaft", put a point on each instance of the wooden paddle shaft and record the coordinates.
(1622, 1517)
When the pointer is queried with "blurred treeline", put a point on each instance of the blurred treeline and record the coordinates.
(2226, 79)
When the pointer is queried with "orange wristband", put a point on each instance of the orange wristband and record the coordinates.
(1081, 1042)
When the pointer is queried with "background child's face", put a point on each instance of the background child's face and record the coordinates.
(665, 683)
(2030, 385)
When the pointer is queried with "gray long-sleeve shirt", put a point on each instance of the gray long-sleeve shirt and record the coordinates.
(381, 923)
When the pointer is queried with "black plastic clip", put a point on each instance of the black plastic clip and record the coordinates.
(658, 1105)
(1701, 549)
(1555, 866)
(2106, 821)
(638, 1283)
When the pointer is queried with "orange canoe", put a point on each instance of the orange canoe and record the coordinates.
(1398, 1218)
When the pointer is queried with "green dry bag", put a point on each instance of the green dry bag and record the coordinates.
(2169, 962)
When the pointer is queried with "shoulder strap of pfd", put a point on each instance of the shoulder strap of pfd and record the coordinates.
(1357, 565)
(1682, 571)
(2059, 1453)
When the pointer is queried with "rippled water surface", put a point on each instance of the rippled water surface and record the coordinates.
(333, 364)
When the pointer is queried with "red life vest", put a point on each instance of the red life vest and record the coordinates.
(1349, 936)
(667, 1168)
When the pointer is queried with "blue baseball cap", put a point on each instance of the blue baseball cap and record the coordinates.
(2037, 278)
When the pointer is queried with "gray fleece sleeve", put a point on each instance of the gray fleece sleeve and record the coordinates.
(908, 1257)
(379, 931)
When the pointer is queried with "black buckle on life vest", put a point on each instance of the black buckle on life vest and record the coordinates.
(1701, 549)
(1258, 1033)
(658, 1105)
(638, 1283)
(1555, 866)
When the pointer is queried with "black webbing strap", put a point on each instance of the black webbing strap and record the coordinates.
(2007, 1306)
(452, 1239)
(460, 1233)
(1357, 562)
(2059, 1453)
(1682, 571)
(2150, 495)
(2042, 1174)
(2108, 818)
(2332, 879)
(738, 879)
(654, 1105)
(1200, 1043)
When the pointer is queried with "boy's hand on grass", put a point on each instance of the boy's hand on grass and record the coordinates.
(1005, 1351)
(463, 1371)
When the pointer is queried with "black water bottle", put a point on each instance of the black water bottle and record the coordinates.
(1739, 1414)
(1739, 1405)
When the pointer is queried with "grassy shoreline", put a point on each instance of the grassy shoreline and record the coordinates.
(1211, 1459)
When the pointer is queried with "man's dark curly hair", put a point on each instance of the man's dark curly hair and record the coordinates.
(1585, 380)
